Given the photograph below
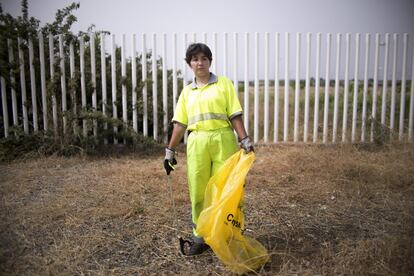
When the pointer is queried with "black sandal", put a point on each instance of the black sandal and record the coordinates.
(183, 242)
(196, 248)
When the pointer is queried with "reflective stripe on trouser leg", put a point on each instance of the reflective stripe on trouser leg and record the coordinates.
(206, 153)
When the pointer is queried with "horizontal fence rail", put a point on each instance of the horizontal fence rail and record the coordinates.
(349, 87)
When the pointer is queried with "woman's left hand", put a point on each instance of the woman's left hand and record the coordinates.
(246, 144)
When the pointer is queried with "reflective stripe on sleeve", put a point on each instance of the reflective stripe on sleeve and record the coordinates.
(181, 124)
(235, 115)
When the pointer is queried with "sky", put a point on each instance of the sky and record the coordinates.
(129, 16)
(192, 16)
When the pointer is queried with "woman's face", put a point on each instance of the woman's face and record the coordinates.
(200, 64)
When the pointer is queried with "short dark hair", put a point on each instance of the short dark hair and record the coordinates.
(196, 48)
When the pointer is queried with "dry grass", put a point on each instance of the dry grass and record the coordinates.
(318, 209)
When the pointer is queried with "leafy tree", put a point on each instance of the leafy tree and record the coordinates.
(25, 28)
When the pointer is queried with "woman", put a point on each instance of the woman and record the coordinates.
(210, 110)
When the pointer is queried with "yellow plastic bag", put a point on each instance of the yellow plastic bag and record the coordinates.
(221, 223)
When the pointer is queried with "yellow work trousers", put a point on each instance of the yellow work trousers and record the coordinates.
(206, 153)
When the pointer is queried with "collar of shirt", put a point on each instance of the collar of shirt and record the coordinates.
(213, 79)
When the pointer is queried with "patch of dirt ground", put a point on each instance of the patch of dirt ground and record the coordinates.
(324, 210)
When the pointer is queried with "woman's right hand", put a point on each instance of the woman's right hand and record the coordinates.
(169, 160)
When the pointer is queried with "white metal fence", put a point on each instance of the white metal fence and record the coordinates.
(364, 82)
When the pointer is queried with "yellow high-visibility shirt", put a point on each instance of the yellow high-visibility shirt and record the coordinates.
(208, 108)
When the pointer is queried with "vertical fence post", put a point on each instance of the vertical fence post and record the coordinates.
(103, 79)
(297, 88)
(256, 87)
(164, 87)
(93, 73)
(145, 87)
(225, 53)
(327, 84)
(63, 82)
(411, 113)
(375, 86)
(403, 83)
(72, 90)
(184, 61)
(393, 83)
(336, 97)
(154, 88)
(346, 87)
(214, 53)
(52, 76)
(356, 88)
(83, 86)
(134, 83)
(43, 80)
(276, 92)
(316, 104)
(23, 87)
(113, 79)
(385, 80)
(365, 95)
(174, 70)
(235, 63)
(307, 88)
(185, 72)
(266, 90)
(5, 109)
(204, 38)
(286, 115)
(123, 84)
(246, 81)
(13, 83)
(33, 86)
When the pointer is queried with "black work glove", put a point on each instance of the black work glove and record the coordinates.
(169, 160)
(246, 144)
